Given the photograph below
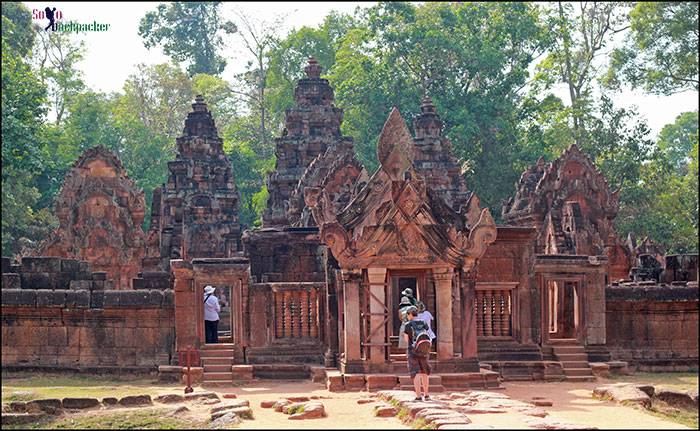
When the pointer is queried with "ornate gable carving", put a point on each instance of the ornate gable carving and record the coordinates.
(395, 219)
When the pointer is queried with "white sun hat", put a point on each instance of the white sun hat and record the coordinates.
(209, 289)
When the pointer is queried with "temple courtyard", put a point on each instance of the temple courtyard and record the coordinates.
(91, 402)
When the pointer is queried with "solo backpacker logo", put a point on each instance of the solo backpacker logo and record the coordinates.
(55, 17)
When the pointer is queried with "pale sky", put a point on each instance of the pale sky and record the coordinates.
(112, 56)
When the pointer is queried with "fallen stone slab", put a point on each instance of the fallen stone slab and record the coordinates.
(201, 396)
(266, 404)
(676, 398)
(623, 393)
(280, 404)
(51, 406)
(542, 403)
(21, 418)
(231, 405)
(433, 411)
(532, 411)
(365, 401)
(385, 411)
(312, 410)
(414, 408)
(230, 396)
(552, 424)
(169, 398)
(437, 423)
(479, 410)
(226, 420)
(242, 412)
(17, 407)
(486, 395)
(80, 403)
(291, 408)
(135, 401)
(178, 411)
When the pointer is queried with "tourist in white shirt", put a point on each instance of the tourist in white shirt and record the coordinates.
(211, 315)
(426, 317)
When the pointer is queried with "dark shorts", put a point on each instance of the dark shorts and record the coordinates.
(418, 364)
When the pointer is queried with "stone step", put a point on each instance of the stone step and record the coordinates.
(216, 353)
(433, 379)
(217, 368)
(218, 346)
(217, 376)
(568, 349)
(575, 364)
(572, 357)
(217, 361)
(216, 383)
(281, 371)
(281, 359)
(564, 341)
(402, 356)
(578, 372)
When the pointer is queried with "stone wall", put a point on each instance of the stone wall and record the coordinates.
(69, 321)
(654, 327)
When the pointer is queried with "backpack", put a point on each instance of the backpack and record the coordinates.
(421, 339)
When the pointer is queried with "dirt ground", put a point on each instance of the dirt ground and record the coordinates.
(573, 403)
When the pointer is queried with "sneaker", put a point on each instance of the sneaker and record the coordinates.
(426, 397)
(418, 399)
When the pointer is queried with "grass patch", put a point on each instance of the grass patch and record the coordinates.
(680, 381)
(688, 418)
(421, 424)
(131, 419)
(44, 385)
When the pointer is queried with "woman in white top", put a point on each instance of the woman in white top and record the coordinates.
(426, 317)
(211, 315)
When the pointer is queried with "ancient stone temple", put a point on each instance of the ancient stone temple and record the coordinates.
(100, 211)
(397, 224)
(310, 127)
(195, 214)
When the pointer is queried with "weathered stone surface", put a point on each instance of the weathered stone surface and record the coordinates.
(623, 393)
(230, 418)
(266, 404)
(230, 405)
(676, 398)
(229, 396)
(179, 411)
(312, 410)
(243, 412)
(552, 424)
(281, 404)
(169, 398)
(100, 211)
(109, 401)
(80, 403)
(542, 403)
(365, 401)
(18, 406)
(201, 396)
(298, 398)
(135, 400)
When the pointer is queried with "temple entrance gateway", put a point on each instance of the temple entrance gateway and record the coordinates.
(400, 281)
(563, 309)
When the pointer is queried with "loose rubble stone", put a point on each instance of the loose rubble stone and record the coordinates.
(542, 403)
(296, 399)
(267, 404)
(676, 398)
(80, 403)
(178, 411)
(230, 396)
(135, 400)
(231, 405)
(385, 411)
(243, 412)
(365, 401)
(109, 401)
(456, 420)
(280, 404)
(18, 406)
(312, 410)
(169, 398)
(552, 424)
(201, 396)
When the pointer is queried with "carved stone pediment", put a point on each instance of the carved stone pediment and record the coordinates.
(396, 219)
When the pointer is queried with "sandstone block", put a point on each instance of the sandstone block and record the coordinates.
(19, 297)
(623, 393)
(80, 285)
(51, 406)
(201, 396)
(298, 398)
(11, 281)
(381, 381)
(78, 299)
(135, 400)
(266, 404)
(50, 298)
(41, 264)
(676, 398)
(312, 410)
(169, 398)
(385, 411)
(109, 401)
(80, 403)
(21, 418)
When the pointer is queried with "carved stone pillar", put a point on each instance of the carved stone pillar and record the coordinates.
(469, 305)
(187, 322)
(351, 315)
(377, 308)
(443, 293)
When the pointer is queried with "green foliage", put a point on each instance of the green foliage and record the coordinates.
(17, 27)
(676, 140)
(661, 51)
(188, 32)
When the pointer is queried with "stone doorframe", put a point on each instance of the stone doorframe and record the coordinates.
(190, 279)
(581, 282)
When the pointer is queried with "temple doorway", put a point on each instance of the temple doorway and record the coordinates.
(400, 281)
(563, 309)
(226, 324)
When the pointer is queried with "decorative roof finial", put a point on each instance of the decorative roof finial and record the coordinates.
(313, 69)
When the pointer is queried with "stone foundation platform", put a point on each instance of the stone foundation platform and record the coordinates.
(337, 381)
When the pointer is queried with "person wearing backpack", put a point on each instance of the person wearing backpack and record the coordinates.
(211, 315)
(419, 342)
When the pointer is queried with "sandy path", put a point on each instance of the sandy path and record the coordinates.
(341, 407)
(573, 402)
